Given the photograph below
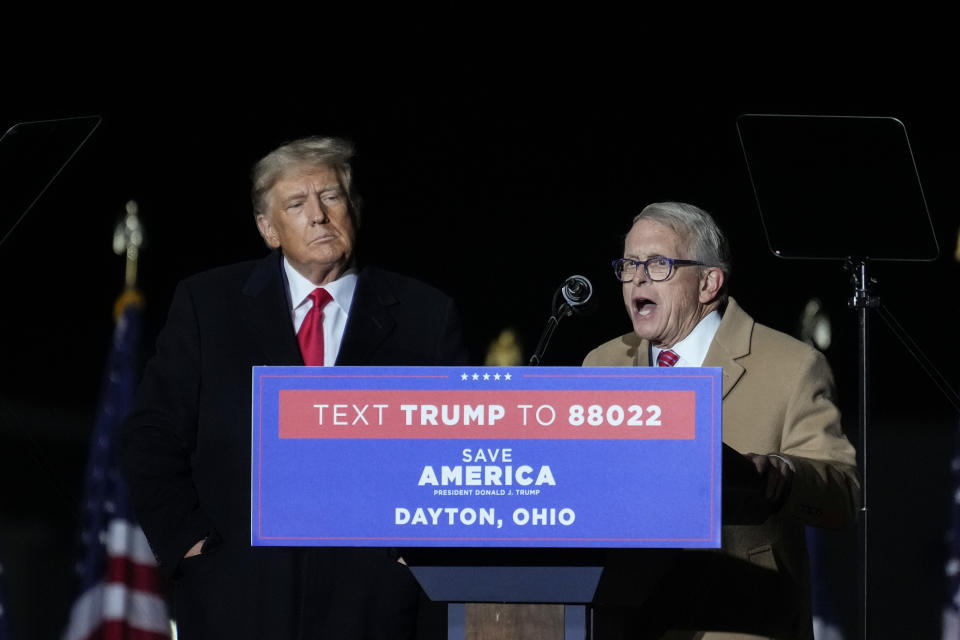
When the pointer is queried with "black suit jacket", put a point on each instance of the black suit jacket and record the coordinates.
(185, 451)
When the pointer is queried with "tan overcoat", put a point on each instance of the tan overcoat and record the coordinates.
(778, 397)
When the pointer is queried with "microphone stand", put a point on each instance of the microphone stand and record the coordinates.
(560, 311)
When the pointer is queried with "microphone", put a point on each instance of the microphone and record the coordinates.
(577, 292)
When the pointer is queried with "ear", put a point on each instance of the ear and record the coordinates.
(267, 231)
(710, 284)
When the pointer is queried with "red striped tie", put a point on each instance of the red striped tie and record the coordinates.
(310, 335)
(667, 358)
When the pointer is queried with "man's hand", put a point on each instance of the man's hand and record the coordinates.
(195, 549)
(777, 473)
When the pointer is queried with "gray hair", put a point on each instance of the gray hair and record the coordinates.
(700, 235)
(314, 151)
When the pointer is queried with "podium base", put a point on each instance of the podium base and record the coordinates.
(504, 621)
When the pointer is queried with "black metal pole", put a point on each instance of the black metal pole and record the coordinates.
(862, 301)
(862, 538)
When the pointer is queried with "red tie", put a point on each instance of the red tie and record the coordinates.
(667, 359)
(310, 336)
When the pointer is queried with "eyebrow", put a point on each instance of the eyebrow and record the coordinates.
(634, 256)
(303, 193)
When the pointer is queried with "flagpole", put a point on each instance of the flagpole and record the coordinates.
(121, 593)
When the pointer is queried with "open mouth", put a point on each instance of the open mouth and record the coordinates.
(644, 306)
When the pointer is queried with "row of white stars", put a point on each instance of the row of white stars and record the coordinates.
(485, 376)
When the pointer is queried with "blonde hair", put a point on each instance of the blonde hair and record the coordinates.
(314, 151)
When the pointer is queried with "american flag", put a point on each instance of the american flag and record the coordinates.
(826, 599)
(4, 632)
(121, 593)
(951, 606)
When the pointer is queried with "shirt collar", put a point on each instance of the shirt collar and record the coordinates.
(693, 349)
(341, 289)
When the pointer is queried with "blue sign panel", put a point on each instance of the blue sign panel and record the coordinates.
(486, 457)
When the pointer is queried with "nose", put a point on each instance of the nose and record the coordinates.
(318, 213)
(639, 277)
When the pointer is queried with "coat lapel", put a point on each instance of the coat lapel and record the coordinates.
(266, 313)
(731, 343)
(641, 355)
(370, 322)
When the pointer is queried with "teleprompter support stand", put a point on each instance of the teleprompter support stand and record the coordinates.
(863, 301)
(821, 184)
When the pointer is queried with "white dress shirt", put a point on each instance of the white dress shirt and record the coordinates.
(334, 314)
(693, 349)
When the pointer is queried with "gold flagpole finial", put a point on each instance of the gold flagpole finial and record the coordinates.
(505, 350)
(127, 240)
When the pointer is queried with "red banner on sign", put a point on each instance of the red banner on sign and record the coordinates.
(502, 414)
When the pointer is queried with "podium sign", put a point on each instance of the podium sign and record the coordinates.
(486, 457)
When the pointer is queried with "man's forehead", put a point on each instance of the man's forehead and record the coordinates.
(650, 237)
(307, 179)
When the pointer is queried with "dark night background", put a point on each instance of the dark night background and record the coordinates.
(494, 190)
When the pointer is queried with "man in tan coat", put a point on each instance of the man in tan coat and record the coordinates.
(778, 411)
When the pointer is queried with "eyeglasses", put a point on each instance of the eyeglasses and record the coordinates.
(656, 268)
